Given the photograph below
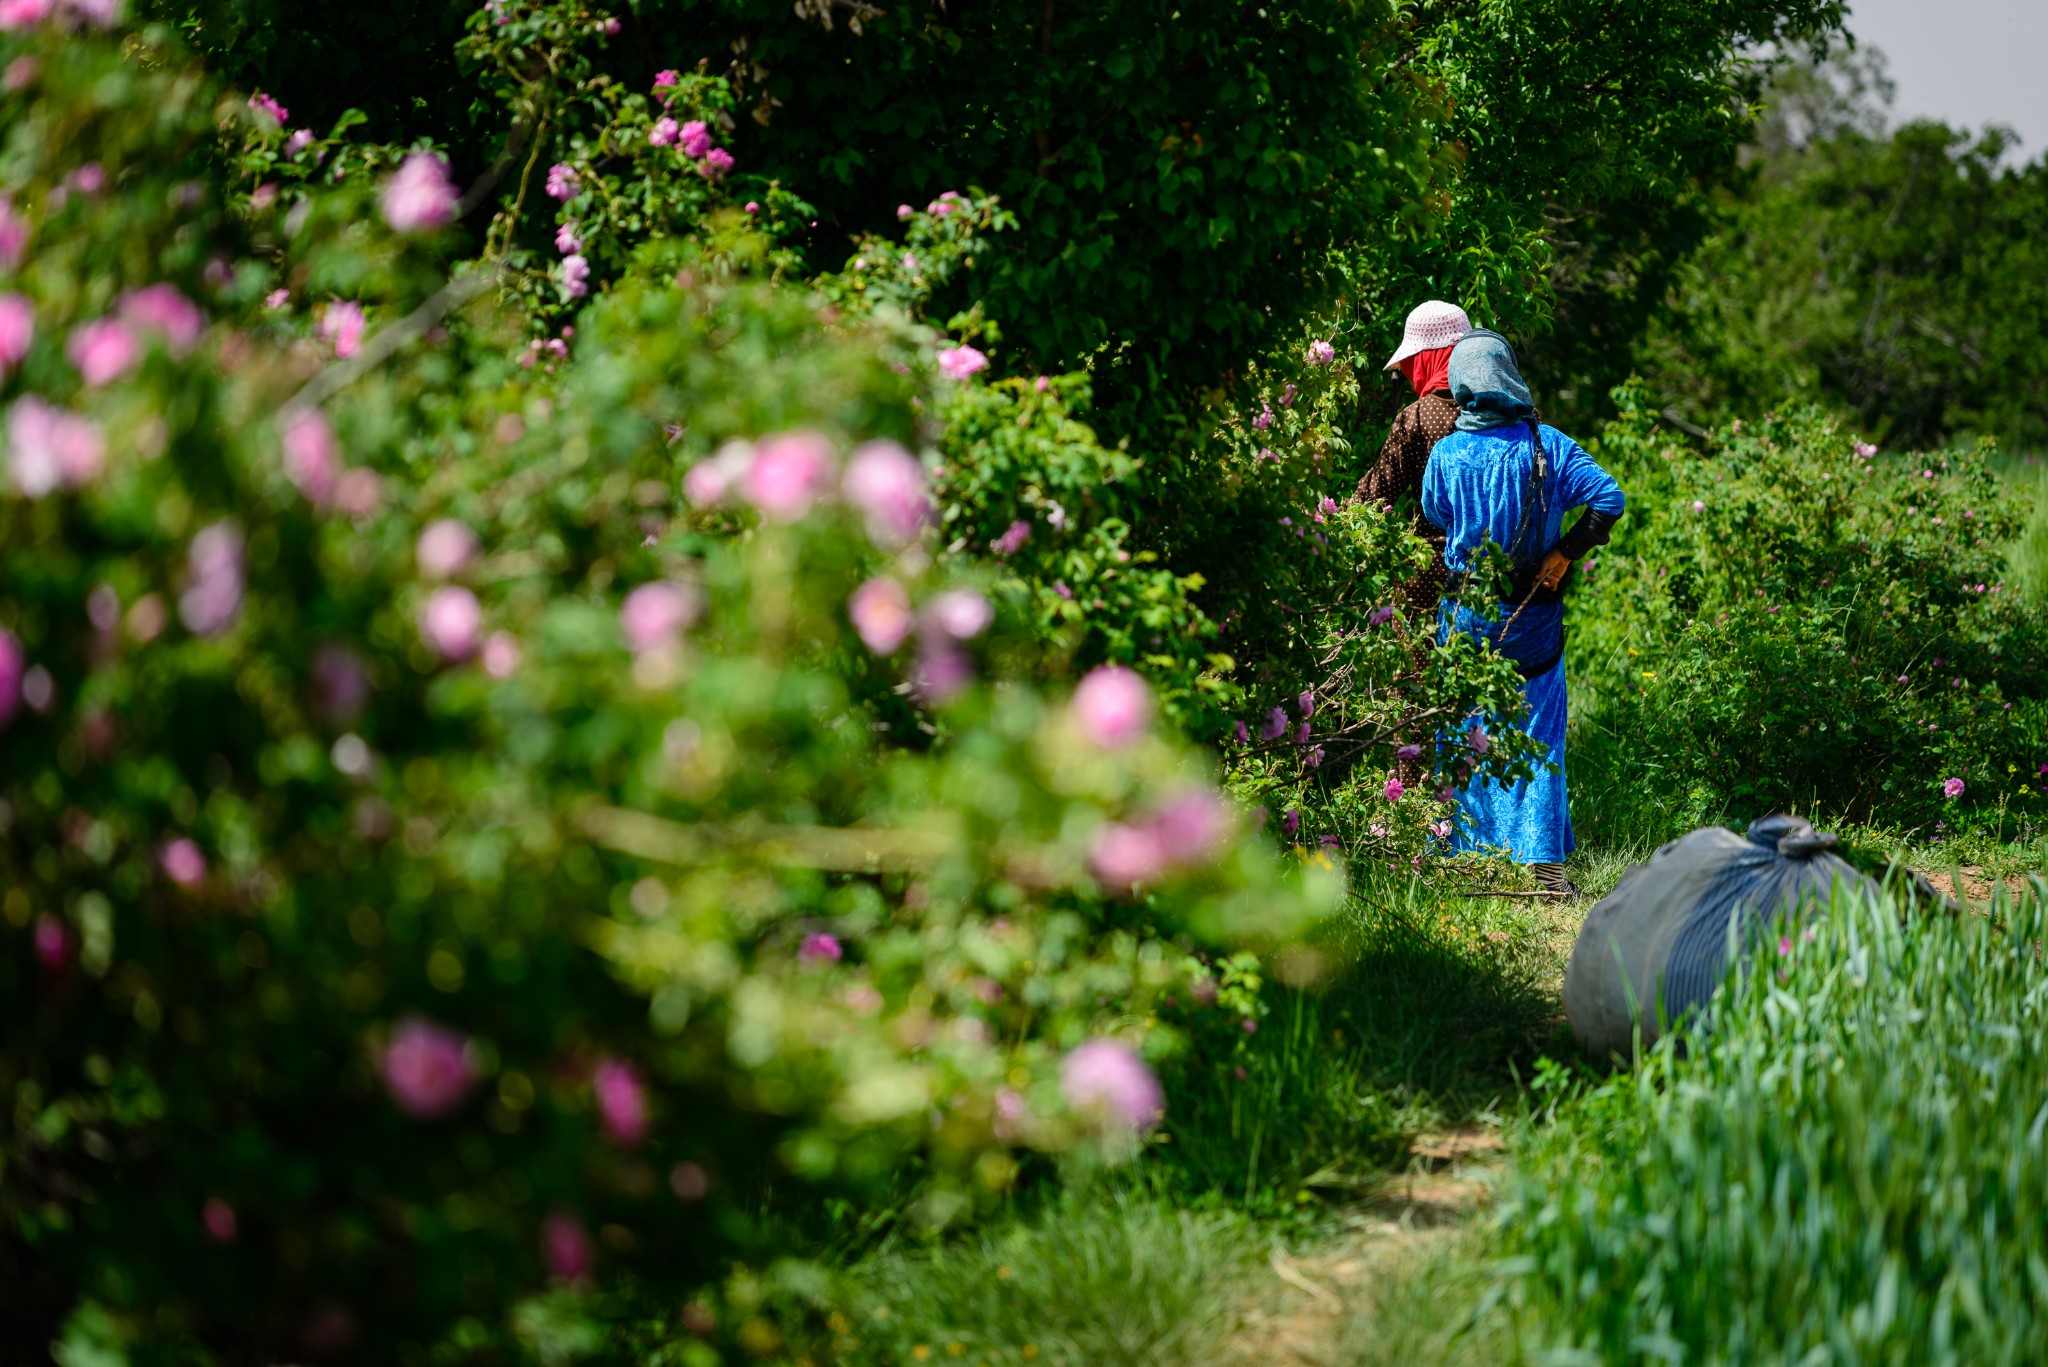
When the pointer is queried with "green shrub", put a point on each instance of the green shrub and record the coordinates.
(1848, 1169)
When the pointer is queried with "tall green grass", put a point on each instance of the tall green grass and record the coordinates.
(1852, 1168)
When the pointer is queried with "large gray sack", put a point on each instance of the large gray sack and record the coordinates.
(1656, 947)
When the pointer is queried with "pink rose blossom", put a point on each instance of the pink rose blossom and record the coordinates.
(1263, 421)
(1394, 789)
(450, 622)
(1307, 703)
(667, 81)
(1191, 827)
(12, 663)
(940, 674)
(182, 862)
(566, 241)
(575, 275)
(655, 615)
(427, 1068)
(17, 330)
(50, 447)
(13, 232)
(1698, 506)
(1125, 855)
(1380, 616)
(19, 14)
(342, 324)
(420, 197)
(562, 182)
(621, 1096)
(217, 1218)
(103, 351)
(880, 612)
(566, 1249)
(277, 299)
(298, 142)
(695, 138)
(904, 211)
(501, 655)
(959, 613)
(788, 472)
(961, 361)
(53, 944)
(664, 133)
(444, 549)
(312, 457)
(1012, 540)
(820, 948)
(753, 206)
(887, 485)
(358, 492)
(213, 580)
(264, 104)
(1012, 1115)
(1952, 788)
(1408, 752)
(1864, 450)
(161, 309)
(716, 164)
(1321, 353)
(1113, 706)
(1107, 1078)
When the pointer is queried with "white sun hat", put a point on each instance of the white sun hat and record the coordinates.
(1430, 325)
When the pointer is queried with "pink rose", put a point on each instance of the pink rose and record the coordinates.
(788, 472)
(820, 948)
(1124, 855)
(17, 330)
(575, 275)
(1106, 1078)
(562, 181)
(501, 655)
(103, 351)
(217, 1218)
(621, 1100)
(695, 138)
(1952, 788)
(213, 580)
(880, 612)
(1112, 706)
(566, 1249)
(182, 862)
(444, 549)
(940, 674)
(298, 142)
(654, 615)
(1321, 353)
(420, 197)
(12, 663)
(53, 943)
(450, 622)
(161, 309)
(959, 362)
(49, 447)
(664, 133)
(1191, 827)
(312, 457)
(1394, 789)
(887, 485)
(264, 104)
(959, 613)
(1012, 540)
(342, 324)
(667, 81)
(427, 1068)
(716, 164)
(566, 241)
(13, 231)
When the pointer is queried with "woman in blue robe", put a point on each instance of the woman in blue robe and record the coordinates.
(1503, 476)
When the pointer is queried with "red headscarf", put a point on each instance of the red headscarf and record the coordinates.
(1429, 370)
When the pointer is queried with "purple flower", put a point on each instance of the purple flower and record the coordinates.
(1379, 616)
(103, 351)
(1244, 737)
(716, 163)
(213, 580)
(880, 612)
(427, 1068)
(298, 142)
(1263, 421)
(1307, 703)
(312, 457)
(1476, 737)
(444, 549)
(654, 615)
(161, 309)
(182, 862)
(1191, 827)
(562, 181)
(904, 211)
(667, 81)
(664, 132)
(1864, 450)
(1302, 734)
(1276, 725)
(575, 275)
(1106, 1079)
(1408, 752)
(961, 361)
(1112, 706)
(264, 104)
(420, 197)
(342, 324)
(17, 330)
(451, 621)
(566, 241)
(53, 943)
(820, 948)
(13, 234)
(1394, 789)
(1952, 788)
(1321, 353)
(941, 672)
(49, 447)
(887, 485)
(566, 1249)
(695, 138)
(1291, 823)
(788, 472)
(621, 1100)
(1012, 540)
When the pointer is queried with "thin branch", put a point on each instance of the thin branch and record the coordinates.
(404, 332)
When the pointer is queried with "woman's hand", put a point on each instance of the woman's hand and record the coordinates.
(1551, 574)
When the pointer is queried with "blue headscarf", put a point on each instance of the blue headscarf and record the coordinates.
(1486, 384)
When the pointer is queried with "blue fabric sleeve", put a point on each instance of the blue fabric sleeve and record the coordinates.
(1582, 482)
(1436, 502)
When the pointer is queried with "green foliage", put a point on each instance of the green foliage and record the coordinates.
(1848, 1171)
(1794, 619)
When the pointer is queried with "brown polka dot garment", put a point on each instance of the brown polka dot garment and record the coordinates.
(1397, 475)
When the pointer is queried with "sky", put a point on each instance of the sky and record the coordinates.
(1965, 62)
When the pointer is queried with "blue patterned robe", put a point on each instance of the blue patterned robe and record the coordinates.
(1474, 488)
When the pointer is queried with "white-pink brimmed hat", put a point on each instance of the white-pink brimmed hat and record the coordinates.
(1430, 326)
